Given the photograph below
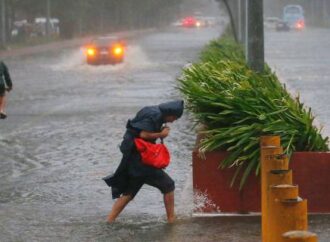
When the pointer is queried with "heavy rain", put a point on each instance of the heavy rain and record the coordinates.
(67, 111)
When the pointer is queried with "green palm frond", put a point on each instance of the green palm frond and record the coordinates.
(237, 106)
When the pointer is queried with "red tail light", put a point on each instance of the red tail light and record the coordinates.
(189, 22)
(300, 24)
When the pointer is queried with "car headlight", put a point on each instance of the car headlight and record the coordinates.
(118, 50)
(91, 51)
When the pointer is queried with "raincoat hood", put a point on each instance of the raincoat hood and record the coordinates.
(172, 108)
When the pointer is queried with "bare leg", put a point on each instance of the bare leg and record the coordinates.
(2, 104)
(169, 206)
(119, 205)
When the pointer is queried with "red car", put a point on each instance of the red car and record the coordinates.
(190, 22)
(105, 50)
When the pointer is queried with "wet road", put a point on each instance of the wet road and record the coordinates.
(302, 60)
(66, 119)
(65, 122)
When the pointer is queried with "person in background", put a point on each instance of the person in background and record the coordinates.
(131, 173)
(6, 85)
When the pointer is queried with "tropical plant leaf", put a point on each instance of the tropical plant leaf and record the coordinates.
(237, 105)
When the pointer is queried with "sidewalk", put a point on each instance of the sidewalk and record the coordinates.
(235, 229)
(202, 229)
(30, 50)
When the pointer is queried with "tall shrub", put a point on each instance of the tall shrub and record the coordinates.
(237, 105)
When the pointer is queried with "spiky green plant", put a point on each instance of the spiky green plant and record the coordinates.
(238, 105)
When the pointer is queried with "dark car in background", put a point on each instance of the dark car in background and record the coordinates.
(282, 26)
(105, 50)
(293, 15)
(271, 22)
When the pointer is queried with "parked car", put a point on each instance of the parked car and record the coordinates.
(40, 26)
(282, 26)
(206, 21)
(271, 22)
(190, 22)
(105, 50)
(294, 16)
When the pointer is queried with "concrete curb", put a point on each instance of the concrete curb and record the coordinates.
(66, 44)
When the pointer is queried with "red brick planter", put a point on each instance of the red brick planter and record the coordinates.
(311, 171)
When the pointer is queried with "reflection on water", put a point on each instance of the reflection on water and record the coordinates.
(65, 122)
(76, 60)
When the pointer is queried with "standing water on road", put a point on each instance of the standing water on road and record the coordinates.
(301, 60)
(65, 122)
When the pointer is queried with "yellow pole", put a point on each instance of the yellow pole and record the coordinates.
(281, 162)
(282, 180)
(269, 150)
(286, 211)
(279, 177)
(276, 194)
(282, 192)
(299, 236)
(270, 140)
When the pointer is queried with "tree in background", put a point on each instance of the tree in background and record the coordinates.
(83, 17)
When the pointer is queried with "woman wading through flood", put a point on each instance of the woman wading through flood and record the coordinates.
(132, 174)
(5, 86)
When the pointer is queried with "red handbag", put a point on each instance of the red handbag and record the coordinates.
(155, 155)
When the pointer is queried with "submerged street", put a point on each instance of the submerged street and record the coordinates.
(301, 60)
(66, 120)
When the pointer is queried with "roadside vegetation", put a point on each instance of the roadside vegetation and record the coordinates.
(235, 106)
(94, 16)
(25, 20)
(33, 42)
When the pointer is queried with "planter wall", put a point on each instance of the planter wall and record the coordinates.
(311, 171)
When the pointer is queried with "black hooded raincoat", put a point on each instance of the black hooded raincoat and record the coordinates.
(151, 119)
(5, 80)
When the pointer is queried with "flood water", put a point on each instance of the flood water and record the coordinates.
(65, 122)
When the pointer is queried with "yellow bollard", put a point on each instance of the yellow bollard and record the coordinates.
(299, 236)
(276, 194)
(270, 140)
(269, 161)
(287, 211)
(280, 162)
(282, 192)
(279, 177)
(282, 179)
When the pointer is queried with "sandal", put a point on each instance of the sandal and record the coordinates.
(3, 116)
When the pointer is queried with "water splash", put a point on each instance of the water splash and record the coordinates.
(69, 61)
(75, 60)
(186, 205)
(202, 203)
(136, 57)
